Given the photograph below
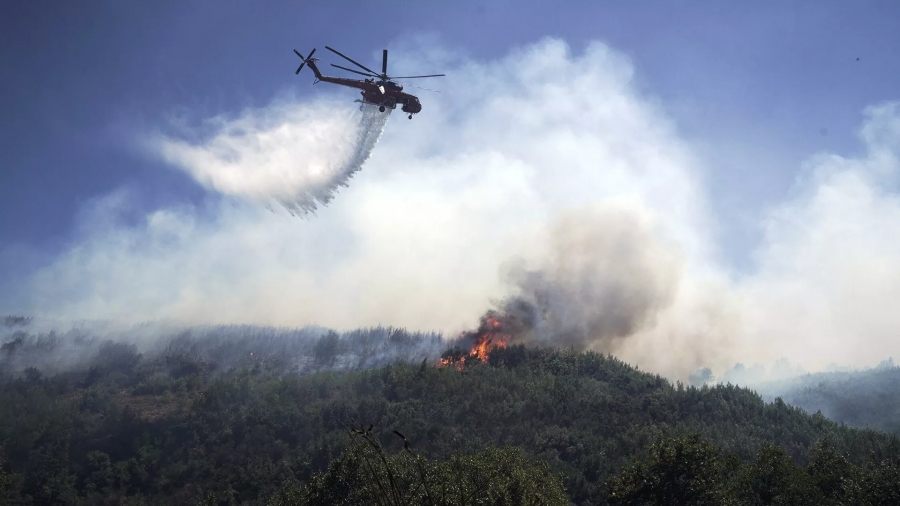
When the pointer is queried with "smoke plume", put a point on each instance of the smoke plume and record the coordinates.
(296, 155)
(606, 276)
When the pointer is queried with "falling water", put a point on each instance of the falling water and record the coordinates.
(369, 129)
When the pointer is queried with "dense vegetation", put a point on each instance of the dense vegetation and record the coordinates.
(689, 470)
(685, 470)
(178, 427)
(365, 475)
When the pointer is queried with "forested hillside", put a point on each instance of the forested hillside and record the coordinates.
(183, 427)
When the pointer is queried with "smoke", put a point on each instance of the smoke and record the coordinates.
(610, 280)
(544, 181)
(294, 154)
(606, 277)
(828, 270)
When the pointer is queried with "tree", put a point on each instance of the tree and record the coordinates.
(773, 479)
(831, 473)
(881, 484)
(678, 471)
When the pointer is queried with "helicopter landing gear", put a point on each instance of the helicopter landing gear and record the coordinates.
(381, 108)
(410, 116)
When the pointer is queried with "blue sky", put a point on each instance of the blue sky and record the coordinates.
(753, 90)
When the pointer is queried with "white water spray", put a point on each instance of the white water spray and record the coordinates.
(296, 155)
(369, 129)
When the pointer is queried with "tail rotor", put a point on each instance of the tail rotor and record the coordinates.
(304, 59)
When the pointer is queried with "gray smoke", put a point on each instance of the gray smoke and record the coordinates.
(606, 276)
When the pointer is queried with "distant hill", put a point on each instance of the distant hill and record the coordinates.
(865, 398)
(242, 415)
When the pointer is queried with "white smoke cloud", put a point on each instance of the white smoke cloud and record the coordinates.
(828, 273)
(512, 150)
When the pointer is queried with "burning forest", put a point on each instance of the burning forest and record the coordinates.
(496, 330)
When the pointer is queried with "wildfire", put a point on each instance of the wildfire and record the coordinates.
(448, 361)
(487, 342)
(491, 334)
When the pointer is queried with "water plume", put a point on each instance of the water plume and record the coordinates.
(295, 154)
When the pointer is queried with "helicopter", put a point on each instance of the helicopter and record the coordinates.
(377, 89)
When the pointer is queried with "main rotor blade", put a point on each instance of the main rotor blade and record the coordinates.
(384, 63)
(351, 60)
(354, 71)
(417, 77)
(421, 88)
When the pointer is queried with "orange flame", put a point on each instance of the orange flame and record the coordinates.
(445, 362)
(489, 337)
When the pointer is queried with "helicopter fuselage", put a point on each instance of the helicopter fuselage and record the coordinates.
(386, 94)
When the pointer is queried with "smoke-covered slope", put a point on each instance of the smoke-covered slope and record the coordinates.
(862, 398)
(55, 348)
